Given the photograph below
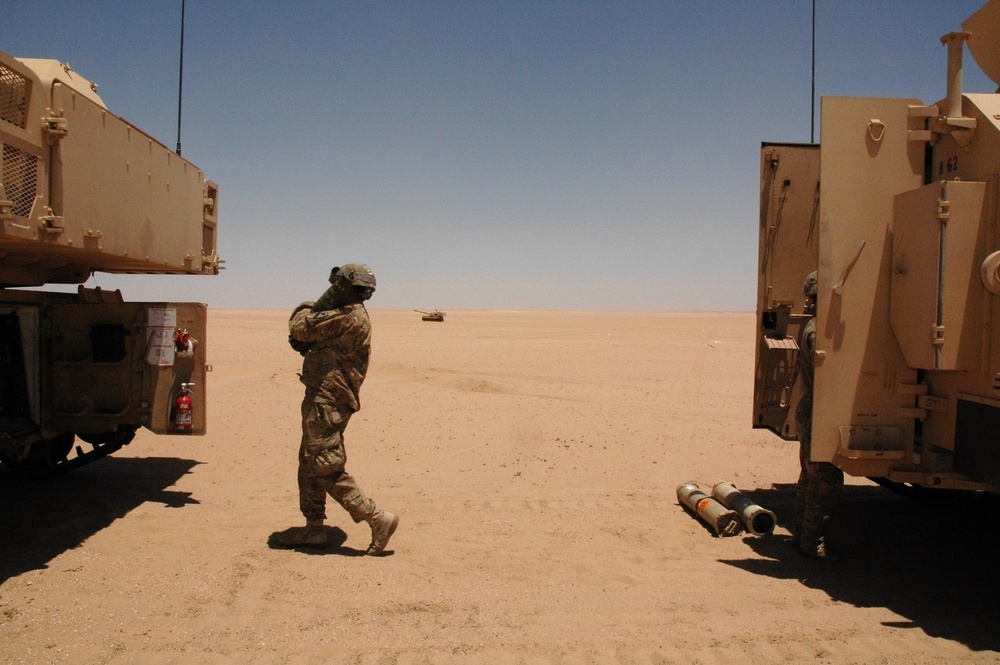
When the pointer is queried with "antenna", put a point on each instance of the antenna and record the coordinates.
(812, 92)
(180, 82)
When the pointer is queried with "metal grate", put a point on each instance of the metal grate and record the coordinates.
(13, 97)
(208, 228)
(20, 180)
(207, 240)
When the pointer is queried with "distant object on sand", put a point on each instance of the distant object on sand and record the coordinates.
(436, 315)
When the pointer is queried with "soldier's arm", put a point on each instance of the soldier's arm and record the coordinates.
(297, 326)
(309, 326)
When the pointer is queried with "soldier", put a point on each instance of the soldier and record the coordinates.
(334, 336)
(819, 482)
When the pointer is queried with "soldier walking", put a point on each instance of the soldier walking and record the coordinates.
(334, 336)
(820, 483)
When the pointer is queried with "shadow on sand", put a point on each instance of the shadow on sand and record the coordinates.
(335, 539)
(932, 561)
(40, 519)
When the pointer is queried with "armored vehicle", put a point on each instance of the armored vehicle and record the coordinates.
(436, 315)
(82, 191)
(905, 238)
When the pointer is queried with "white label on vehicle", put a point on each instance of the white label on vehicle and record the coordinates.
(160, 343)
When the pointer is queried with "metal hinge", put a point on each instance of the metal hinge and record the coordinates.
(922, 113)
(922, 401)
(54, 126)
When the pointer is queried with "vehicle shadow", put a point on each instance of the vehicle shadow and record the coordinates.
(40, 519)
(932, 561)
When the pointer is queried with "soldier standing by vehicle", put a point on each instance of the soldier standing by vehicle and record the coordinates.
(334, 336)
(819, 482)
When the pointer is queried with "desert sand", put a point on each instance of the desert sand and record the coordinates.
(534, 459)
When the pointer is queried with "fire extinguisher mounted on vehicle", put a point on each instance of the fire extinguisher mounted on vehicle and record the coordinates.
(184, 409)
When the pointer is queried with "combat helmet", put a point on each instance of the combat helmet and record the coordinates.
(811, 285)
(358, 274)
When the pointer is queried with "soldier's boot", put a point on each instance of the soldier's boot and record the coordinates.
(362, 509)
(312, 535)
(817, 549)
(819, 498)
(383, 526)
(819, 552)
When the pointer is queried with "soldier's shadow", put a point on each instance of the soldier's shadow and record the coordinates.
(335, 539)
(932, 561)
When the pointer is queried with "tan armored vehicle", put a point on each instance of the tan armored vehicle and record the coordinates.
(82, 191)
(436, 315)
(905, 235)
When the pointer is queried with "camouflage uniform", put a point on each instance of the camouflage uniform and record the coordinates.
(819, 482)
(332, 371)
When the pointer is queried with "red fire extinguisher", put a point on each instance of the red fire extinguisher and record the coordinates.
(183, 412)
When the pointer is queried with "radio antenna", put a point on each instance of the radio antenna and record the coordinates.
(180, 83)
(812, 92)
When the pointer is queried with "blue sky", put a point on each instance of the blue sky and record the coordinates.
(486, 155)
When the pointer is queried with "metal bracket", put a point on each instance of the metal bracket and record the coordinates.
(6, 211)
(960, 129)
(876, 130)
(932, 403)
(51, 224)
(54, 126)
(913, 412)
(937, 335)
(922, 113)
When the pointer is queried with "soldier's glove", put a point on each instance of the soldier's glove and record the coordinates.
(301, 347)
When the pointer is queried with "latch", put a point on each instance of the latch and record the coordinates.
(54, 126)
(943, 212)
(937, 336)
(51, 224)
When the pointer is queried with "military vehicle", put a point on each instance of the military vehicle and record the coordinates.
(905, 237)
(436, 315)
(82, 191)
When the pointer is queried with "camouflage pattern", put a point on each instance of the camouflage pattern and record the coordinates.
(819, 482)
(337, 362)
(334, 297)
(333, 369)
(350, 279)
(357, 274)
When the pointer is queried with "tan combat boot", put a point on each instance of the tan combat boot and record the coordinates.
(819, 551)
(383, 526)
